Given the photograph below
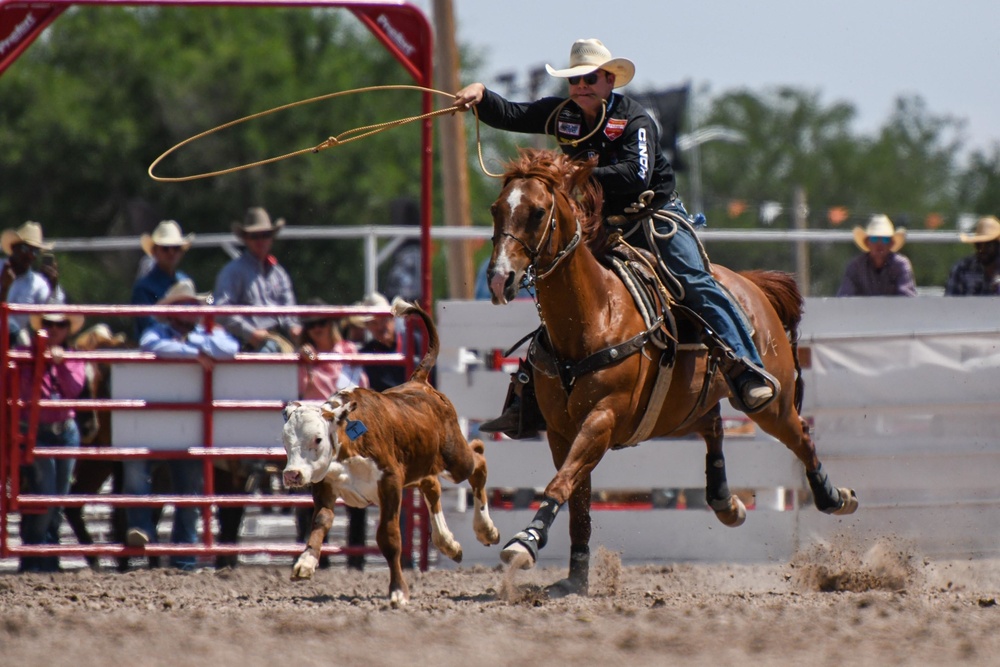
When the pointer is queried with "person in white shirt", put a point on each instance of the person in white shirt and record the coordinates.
(20, 283)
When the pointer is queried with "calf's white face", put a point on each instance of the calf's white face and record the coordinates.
(310, 439)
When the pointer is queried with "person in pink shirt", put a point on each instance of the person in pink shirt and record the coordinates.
(319, 380)
(61, 378)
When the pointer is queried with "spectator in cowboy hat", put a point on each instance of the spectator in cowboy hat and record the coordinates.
(255, 278)
(19, 283)
(979, 273)
(175, 336)
(165, 247)
(881, 270)
(62, 378)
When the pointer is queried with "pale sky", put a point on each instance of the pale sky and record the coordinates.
(866, 52)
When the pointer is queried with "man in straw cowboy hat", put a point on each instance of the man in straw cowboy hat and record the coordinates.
(62, 378)
(255, 278)
(617, 133)
(979, 273)
(165, 247)
(175, 336)
(881, 270)
(19, 283)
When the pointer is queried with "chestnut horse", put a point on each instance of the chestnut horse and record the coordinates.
(547, 225)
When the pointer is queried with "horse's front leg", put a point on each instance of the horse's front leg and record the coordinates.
(577, 583)
(572, 480)
(728, 508)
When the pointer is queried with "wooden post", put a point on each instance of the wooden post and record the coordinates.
(454, 170)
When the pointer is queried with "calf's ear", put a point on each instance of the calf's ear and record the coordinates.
(291, 407)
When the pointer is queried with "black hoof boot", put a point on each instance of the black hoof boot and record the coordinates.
(522, 550)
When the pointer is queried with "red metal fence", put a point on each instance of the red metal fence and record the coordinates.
(21, 413)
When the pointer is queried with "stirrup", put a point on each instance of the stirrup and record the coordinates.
(742, 396)
(509, 420)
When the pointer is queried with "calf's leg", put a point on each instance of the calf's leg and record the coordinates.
(324, 499)
(441, 535)
(389, 538)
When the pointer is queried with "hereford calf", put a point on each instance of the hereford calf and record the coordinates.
(365, 447)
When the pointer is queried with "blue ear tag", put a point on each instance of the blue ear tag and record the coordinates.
(355, 429)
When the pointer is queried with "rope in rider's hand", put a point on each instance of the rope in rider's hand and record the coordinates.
(339, 140)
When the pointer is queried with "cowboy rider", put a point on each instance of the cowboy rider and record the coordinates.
(598, 124)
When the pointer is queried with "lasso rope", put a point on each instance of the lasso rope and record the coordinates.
(339, 140)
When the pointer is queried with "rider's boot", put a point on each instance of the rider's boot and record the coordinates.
(752, 387)
(521, 418)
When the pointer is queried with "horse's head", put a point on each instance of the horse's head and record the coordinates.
(544, 196)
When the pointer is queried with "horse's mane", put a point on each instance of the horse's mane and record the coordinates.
(571, 178)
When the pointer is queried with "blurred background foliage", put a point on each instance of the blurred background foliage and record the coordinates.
(106, 90)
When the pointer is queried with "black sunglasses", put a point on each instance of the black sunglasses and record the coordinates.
(589, 79)
(315, 324)
(48, 324)
(257, 236)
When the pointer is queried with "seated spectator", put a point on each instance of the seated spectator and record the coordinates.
(979, 273)
(255, 278)
(175, 337)
(318, 380)
(61, 378)
(881, 270)
(166, 247)
(384, 339)
(19, 283)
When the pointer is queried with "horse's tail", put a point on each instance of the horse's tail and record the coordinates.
(786, 299)
(401, 308)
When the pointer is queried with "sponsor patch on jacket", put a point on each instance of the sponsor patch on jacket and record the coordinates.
(615, 127)
(569, 129)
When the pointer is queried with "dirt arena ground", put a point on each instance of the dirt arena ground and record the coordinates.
(880, 606)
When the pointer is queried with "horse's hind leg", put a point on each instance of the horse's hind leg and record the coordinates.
(728, 508)
(787, 426)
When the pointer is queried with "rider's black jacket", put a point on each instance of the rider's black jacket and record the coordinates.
(627, 147)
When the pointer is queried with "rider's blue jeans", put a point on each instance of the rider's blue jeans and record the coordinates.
(702, 294)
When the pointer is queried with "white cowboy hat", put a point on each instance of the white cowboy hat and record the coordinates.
(167, 234)
(987, 229)
(880, 225)
(373, 300)
(257, 220)
(182, 292)
(30, 233)
(75, 320)
(590, 55)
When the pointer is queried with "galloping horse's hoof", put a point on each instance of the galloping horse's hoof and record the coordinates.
(849, 502)
(521, 552)
(734, 514)
(568, 586)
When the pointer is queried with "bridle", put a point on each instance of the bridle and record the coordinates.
(546, 238)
